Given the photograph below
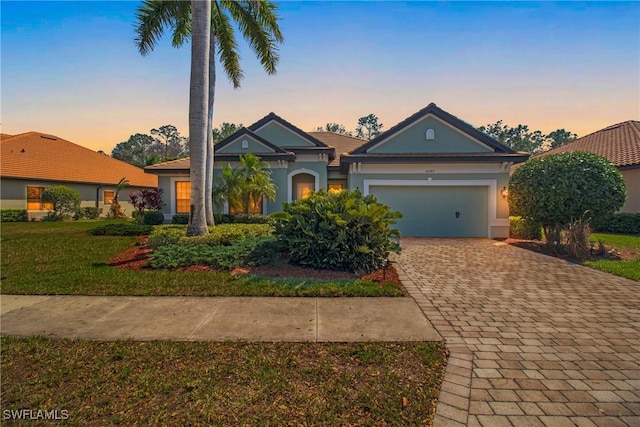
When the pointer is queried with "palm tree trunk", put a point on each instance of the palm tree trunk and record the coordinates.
(208, 188)
(198, 103)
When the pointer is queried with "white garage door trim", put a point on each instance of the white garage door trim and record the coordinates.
(492, 185)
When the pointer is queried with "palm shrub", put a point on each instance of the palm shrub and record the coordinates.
(338, 231)
(64, 201)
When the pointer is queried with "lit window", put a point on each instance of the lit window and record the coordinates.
(34, 200)
(254, 208)
(183, 196)
(336, 188)
(108, 196)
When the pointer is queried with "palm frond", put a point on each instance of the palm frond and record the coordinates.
(152, 17)
(227, 45)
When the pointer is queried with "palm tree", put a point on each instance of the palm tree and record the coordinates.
(257, 21)
(198, 101)
(257, 183)
(228, 187)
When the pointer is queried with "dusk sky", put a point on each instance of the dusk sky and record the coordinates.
(71, 68)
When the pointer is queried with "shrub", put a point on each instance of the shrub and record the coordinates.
(88, 213)
(249, 251)
(181, 219)
(65, 201)
(338, 231)
(523, 228)
(619, 222)
(227, 234)
(146, 199)
(166, 235)
(153, 218)
(243, 219)
(123, 229)
(13, 215)
(557, 189)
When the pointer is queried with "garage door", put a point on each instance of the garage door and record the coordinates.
(437, 211)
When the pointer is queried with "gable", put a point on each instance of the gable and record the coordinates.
(279, 135)
(413, 139)
(252, 146)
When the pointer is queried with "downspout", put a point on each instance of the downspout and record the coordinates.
(98, 196)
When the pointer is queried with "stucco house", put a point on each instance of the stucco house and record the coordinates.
(620, 144)
(31, 161)
(447, 178)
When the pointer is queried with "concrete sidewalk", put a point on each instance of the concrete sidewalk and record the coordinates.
(216, 318)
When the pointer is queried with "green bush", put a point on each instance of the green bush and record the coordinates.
(153, 218)
(88, 213)
(166, 235)
(13, 215)
(227, 234)
(523, 228)
(65, 201)
(249, 251)
(123, 229)
(338, 231)
(619, 222)
(180, 219)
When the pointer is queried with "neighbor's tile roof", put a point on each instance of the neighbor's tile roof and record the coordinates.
(620, 143)
(341, 143)
(35, 155)
(4, 136)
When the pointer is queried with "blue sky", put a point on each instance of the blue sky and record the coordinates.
(71, 68)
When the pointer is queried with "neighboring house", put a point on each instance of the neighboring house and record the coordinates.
(446, 177)
(620, 144)
(32, 161)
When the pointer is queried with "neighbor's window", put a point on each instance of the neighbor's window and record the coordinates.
(254, 208)
(183, 196)
(108, 196)
(34, 200)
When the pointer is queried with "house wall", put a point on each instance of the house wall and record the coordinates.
(632, 182)
(413, 140)
(253, 146)
(281, 136)
(13, 193)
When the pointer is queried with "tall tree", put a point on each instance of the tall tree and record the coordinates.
(225, 130)
(368, 127)
(335, 128)
(136, 150)
(171, 140)
(559, 137)
(198, 119)
(257, 20)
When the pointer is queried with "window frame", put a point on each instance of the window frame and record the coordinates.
(33, 200)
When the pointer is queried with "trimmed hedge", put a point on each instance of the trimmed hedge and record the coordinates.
(153, 218)
(619, 222)
(523, 228)
(124, 229)
(228, 219)
(13, 215)
(220, 235)
(88, 213)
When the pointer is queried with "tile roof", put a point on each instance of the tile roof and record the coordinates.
(179, 164)
(341, 143)
(620, 143)
(4, 136)
(35, 155)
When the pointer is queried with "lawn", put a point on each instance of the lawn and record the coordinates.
(629, 245)
(143, 383)
(49, 258)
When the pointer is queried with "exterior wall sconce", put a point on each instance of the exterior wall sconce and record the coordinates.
(504, 192)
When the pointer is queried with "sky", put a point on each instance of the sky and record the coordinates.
(71, 69)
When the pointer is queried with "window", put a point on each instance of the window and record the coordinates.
(336, 187)
(108, 196)
(254, 208)
(34, 200)
(183, 196)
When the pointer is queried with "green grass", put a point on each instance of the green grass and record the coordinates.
(47, 258)
(186, 383)
(626, 268)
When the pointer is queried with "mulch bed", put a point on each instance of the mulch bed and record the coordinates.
(138, 256)
(540, 247)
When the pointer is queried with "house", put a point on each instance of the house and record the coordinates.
(620, 143)
(31, 161)
(447, 178)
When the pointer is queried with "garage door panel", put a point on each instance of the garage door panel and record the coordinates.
(430, 211)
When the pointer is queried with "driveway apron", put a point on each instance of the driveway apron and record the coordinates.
(534, 340)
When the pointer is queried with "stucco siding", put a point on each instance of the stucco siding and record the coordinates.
(413, 140)
(281, 136)
(253, 146)
(632, 182)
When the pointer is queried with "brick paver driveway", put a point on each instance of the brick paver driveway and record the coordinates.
(534, 341)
